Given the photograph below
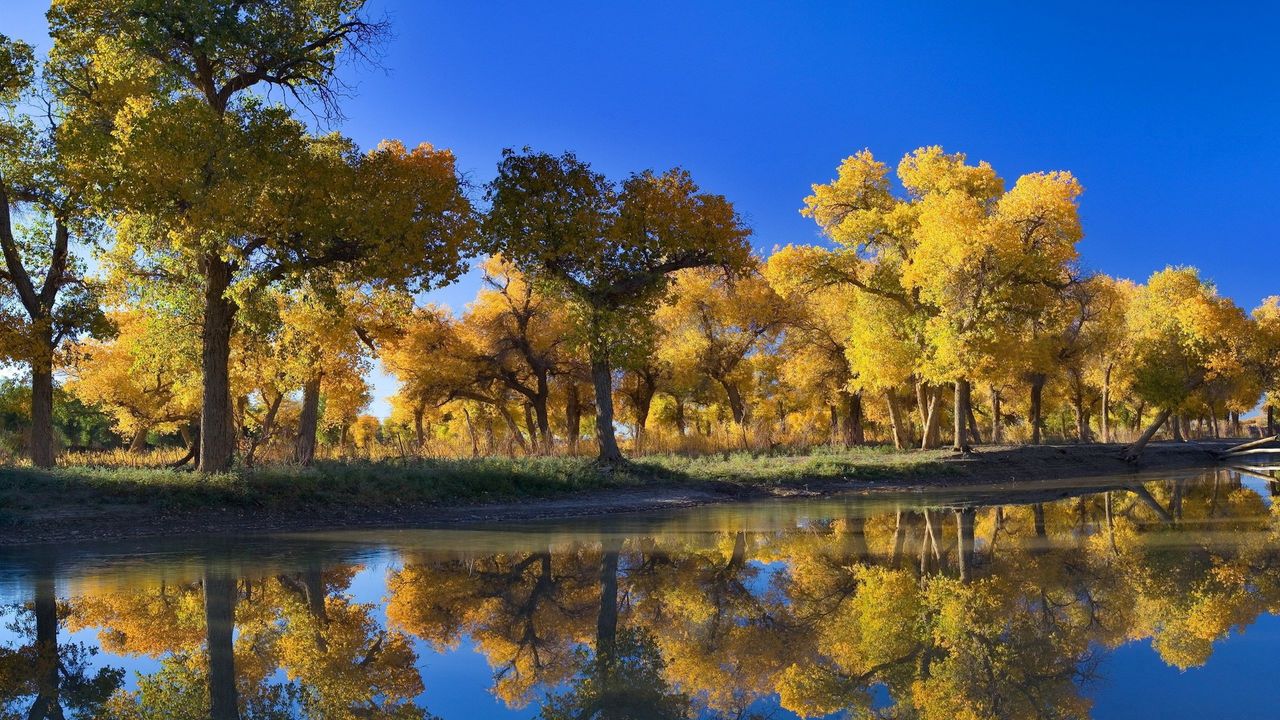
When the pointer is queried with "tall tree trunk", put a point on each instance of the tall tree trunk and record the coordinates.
(1082, 423)
(644, 401)
(895, 421)
(1134, 451)
(139, 442)
(572, 417)
(42, 455)
(531, 425)
(737, 405)
(471, 431)
(602, 380)
(219, 614)
(1105, 420)
(997, 422)
(1034, 413)
(834, 413)
(961, 425)
(419, 429)
(304, 448)
(854, 434)
(932, 436)
(217, 437)
(541, 414)
(1176, 424)
(1271, 420)
(974, 432)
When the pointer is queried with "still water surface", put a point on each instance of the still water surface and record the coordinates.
(1108, 598)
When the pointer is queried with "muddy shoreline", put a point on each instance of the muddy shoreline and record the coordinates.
(991, 469)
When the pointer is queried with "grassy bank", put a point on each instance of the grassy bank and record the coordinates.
(120, 502)
(432, 481)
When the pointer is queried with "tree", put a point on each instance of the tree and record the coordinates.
(519, 335)
(610, 249)
(959, 258)
(44, 299)
(236, 188)
(817, 342)
(147, 377)
(1182, 335)
(714, 323)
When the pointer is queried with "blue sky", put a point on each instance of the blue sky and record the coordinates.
(1166, 111)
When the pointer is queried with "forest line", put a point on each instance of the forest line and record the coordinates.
(251, 272)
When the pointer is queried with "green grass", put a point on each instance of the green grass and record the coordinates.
(356, 484)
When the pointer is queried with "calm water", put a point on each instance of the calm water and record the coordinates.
(1110, 598)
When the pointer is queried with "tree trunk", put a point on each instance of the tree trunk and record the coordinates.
(997, 422)
(1176, 425)
(932, 436)
(42, 408)
(1134, 451)
(419, 430)
(680, 419)
(1082, 423)
(1033, 414)
(1271, 420)
(531, 425)
(1105, 420)
(961, 425)
(974, 432)
(304, 449)
(471, 431)
(219, 613)
(644, 401)
(895, 421)
(139, 442)
(854, 434)
(217, 437)
(541, 414)
(602, 380)
(736, 404)
(834, 423)
(572, 417)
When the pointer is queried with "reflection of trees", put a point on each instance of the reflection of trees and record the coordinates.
(230, 635)
(44, 679)
(970, 611)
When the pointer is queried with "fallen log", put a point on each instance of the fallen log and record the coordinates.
(1251, 444)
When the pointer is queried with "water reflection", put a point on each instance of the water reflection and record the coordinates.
(933, 608)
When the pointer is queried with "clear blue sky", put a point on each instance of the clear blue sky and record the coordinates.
(1166, 111)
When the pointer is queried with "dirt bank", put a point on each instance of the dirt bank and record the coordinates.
(60, 520)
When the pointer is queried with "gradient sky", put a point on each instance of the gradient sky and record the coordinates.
(1165, 111)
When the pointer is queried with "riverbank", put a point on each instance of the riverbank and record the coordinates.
(86, 504)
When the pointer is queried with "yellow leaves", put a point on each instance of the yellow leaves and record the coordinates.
(929, 170)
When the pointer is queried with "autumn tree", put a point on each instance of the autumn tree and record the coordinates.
(147, 377)
(519, 336)
(44, 298)
(1182, 335)
(817, 342)
(611, 249)
(235, 187)
(715, 323)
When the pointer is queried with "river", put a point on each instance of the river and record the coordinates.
(1138, 596)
